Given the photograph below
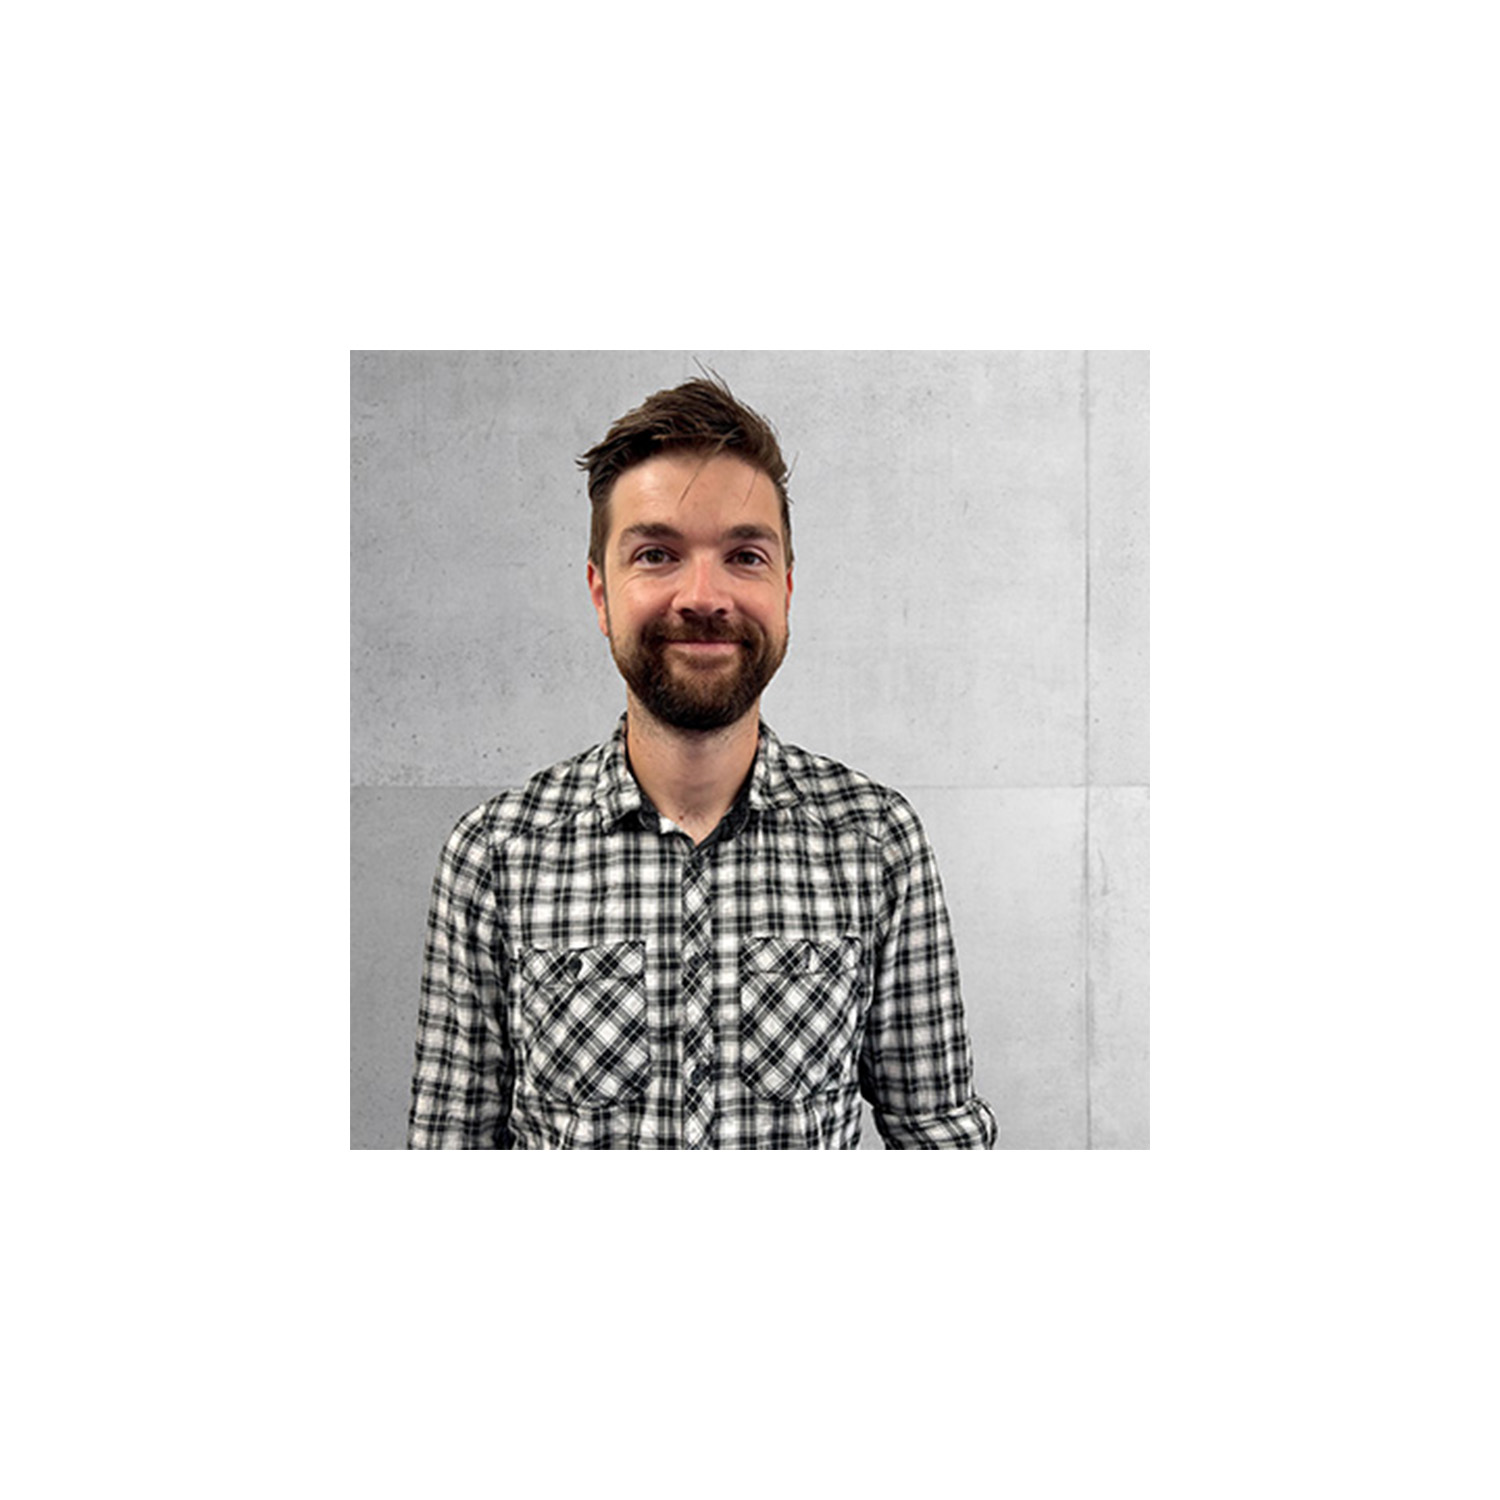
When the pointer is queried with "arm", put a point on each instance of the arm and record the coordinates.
(461, 1085)
(916, 1068)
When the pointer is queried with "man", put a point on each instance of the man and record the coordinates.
(692, 936)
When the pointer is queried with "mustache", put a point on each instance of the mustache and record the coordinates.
(708, 630)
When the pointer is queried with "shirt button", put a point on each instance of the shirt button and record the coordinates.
(574, 967)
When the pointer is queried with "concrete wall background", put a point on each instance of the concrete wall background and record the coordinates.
(969, 625)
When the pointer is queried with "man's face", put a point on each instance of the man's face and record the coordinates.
(695, 587)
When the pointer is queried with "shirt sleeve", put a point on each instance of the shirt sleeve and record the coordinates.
(461, 1085)
(916, 1066)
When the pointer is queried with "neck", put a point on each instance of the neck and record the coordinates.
(691, 777)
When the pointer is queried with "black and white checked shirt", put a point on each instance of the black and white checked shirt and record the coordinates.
(593, 980)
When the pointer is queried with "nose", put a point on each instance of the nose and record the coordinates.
(701, 588)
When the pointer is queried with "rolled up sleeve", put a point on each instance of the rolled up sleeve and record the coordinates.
(916, 1065)
(462, 1079)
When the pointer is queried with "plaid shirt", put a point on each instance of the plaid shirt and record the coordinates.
(594, 980)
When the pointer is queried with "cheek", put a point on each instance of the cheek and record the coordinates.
(642, 599)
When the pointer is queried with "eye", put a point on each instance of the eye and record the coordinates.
(651, 556)
(746, 558)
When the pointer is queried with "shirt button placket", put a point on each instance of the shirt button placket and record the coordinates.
(697, 993)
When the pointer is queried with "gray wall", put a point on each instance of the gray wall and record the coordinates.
(969, 625)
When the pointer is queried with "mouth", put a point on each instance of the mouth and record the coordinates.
(705, 650)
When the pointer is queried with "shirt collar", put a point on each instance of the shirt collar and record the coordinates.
(771, 784)
(618, 795)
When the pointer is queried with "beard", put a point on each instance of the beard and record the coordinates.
(686, 695)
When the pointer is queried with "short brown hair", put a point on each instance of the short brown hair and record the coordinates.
(699, 416)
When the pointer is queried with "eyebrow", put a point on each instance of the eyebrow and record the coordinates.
(659, 531)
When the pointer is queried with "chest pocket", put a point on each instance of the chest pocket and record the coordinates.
(798, 1012)
(585, 1012)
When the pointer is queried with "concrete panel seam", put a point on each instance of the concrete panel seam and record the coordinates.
(1088, 767)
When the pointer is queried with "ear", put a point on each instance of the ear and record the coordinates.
(596, 593)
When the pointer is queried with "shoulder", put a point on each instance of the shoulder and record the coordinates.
(849, 800)
(555, 795)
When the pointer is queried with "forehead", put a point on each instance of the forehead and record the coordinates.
(695, 495)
